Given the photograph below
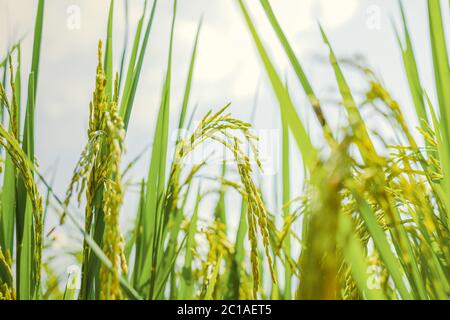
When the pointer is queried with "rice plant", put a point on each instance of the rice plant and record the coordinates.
(372, 221)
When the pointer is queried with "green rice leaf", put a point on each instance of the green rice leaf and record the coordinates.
(308, 151)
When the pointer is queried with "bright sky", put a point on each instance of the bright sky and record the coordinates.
(228, 68)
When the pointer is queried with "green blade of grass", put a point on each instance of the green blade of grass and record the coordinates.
(4, 65)
(28, 134)
(70, 290)
(239, 254)
(37, 45)
(442, 82)
(178, 213)
(152, 224)
(190, 76)
(301, 76)
(220, 210)
(24, 224)
(47, 196)
(355, 257)
(166, 273)
(18, 88)
(28, 252)
(354, 117)
(172, 250)
(8, 206)
(381, 243)
(131, 66)
(2, 103)
(138, 242)
(286, 197)
(125, 45)
(26, 267)
(412, 73)
(8, 196)
(307, 150)
(134, 72)
(108, 62)
(240, 235)
(440, 59)
(162, 136)
(187, 281)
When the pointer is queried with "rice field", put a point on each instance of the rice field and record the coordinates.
(371, 221)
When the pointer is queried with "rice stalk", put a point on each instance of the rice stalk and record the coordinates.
(25, 168)
(98, 170)
(217, 127)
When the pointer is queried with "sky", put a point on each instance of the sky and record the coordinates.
(228, 68)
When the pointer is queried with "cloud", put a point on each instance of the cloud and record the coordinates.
(227, 54)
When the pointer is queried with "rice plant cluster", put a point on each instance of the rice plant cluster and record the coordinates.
(372, 220)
